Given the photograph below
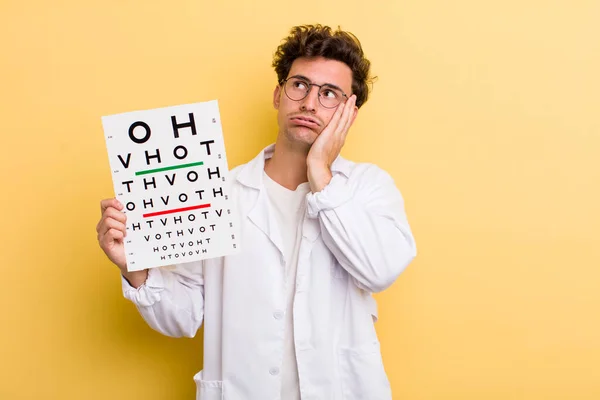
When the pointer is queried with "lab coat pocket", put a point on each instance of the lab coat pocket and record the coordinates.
(208, 390)
(362, 374)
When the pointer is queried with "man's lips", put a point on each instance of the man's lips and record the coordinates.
(305, 121)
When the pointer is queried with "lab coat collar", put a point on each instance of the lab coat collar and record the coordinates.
(251, 174)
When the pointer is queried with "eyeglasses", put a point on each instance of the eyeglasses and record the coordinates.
(297, 89)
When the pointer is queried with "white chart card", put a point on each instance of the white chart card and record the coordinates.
(169, 170)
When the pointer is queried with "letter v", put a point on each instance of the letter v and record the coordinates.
(125, 162)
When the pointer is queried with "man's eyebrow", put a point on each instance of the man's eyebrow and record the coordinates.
(304, 78)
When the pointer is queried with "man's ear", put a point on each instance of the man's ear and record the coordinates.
(276, 97)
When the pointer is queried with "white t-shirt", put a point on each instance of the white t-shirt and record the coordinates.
(289, 207)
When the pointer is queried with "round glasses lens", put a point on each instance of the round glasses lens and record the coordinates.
(330, 97)
(296, 89)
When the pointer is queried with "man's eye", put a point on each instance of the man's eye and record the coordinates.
(329, 93)
(300, 85)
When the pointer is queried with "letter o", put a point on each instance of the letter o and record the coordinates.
(146, 135)
(193, 173)
(185, 152)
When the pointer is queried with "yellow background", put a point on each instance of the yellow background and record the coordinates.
(485, 113)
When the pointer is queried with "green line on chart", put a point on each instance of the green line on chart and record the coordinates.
(151, 171)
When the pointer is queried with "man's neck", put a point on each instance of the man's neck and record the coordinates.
(287, 167)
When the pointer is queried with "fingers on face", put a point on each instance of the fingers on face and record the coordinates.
(342, 114)
(346, 117)
(349, 109)
(334, 123)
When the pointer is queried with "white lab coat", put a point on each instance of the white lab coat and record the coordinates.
(355, 241)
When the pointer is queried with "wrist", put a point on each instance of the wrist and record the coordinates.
(319, 176)
(135, 278)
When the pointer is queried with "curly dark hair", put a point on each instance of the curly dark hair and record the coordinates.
(322, 41)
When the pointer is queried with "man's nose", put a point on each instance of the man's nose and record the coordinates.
(311, 101)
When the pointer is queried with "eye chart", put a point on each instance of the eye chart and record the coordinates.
(170, 171)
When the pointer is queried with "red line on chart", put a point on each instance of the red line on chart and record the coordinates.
(176, 210)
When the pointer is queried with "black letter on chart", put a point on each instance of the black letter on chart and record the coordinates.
(176, 126)
(128, 187)
(150, 182)
(146, 136)
(172, 180)
(176, 154)
(207, 143)
(149, 157)
(125, 162)
(211, 173)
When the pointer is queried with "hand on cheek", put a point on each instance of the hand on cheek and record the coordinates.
(328, 145)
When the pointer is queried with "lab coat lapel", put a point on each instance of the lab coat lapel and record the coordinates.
(262, 216)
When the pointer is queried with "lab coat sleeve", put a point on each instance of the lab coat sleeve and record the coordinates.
(364, 225)
(171, 300)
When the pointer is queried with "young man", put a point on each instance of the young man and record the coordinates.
(291, 316)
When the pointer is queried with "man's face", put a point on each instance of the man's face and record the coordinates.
(300, 122)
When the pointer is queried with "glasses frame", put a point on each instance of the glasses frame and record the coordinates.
(310, 86)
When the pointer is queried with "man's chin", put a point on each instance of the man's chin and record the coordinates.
(303, 134)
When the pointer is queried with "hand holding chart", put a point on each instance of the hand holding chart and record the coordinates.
(169, 170)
